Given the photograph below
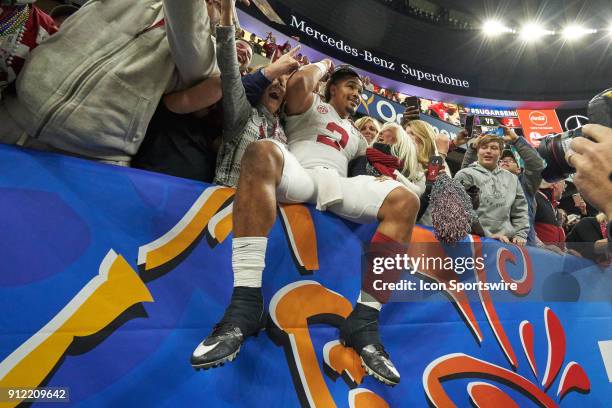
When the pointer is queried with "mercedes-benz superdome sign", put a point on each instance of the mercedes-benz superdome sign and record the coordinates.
(332, 44)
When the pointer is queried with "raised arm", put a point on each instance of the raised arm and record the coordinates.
(533, 162)
(470, 155)
(188, 29)
(236, 107)
(302, 84)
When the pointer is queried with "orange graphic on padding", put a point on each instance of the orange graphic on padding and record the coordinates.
(290, 310)
(363, 398)
(187, 230)
(301, 234)
(344, 361)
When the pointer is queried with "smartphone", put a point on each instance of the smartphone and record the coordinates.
(433, 168)
(412, 101)
(469, 125)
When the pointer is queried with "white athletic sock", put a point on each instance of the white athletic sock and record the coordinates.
(248, 260)
(368, 300)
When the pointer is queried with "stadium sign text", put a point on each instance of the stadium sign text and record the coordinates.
(367, 56)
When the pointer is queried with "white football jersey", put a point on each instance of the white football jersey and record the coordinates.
(319, 137)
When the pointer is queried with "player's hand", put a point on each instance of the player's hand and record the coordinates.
(519, 241)
(593, 162)
(329, 63)
(285, 65)
(411, 113)
(510, 135)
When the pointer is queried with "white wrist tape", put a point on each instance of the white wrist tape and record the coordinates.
(322, 67)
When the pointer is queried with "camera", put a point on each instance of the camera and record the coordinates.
(553, 148)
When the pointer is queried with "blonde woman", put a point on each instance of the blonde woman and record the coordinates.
(403, 147)
(424, 137)
(369, 128)
(393, 154)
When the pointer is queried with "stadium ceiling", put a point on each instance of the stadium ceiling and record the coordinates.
(506, 66)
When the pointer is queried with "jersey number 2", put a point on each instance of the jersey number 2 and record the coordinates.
(338, 145)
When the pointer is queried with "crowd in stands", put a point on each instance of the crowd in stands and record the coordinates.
(268, 47)
(171, 104)
(515, 205)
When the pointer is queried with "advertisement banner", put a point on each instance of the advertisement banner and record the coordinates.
(572, 119)
(538, 123)
(483, 111)
(385, 110)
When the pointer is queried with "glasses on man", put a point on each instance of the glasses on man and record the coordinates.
(508, 161)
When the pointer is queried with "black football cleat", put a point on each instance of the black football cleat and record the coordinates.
(360, 331)
(377, 363)
(243, 317)
(221, 346)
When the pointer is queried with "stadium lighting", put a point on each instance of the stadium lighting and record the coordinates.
(492, 28)
(533, 31)
(573, 32)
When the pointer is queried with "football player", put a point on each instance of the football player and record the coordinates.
(311, 169)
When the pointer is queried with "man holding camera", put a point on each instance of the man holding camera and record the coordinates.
(592, 159)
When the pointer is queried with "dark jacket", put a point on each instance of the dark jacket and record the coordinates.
(583, 236)
(184, 145)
